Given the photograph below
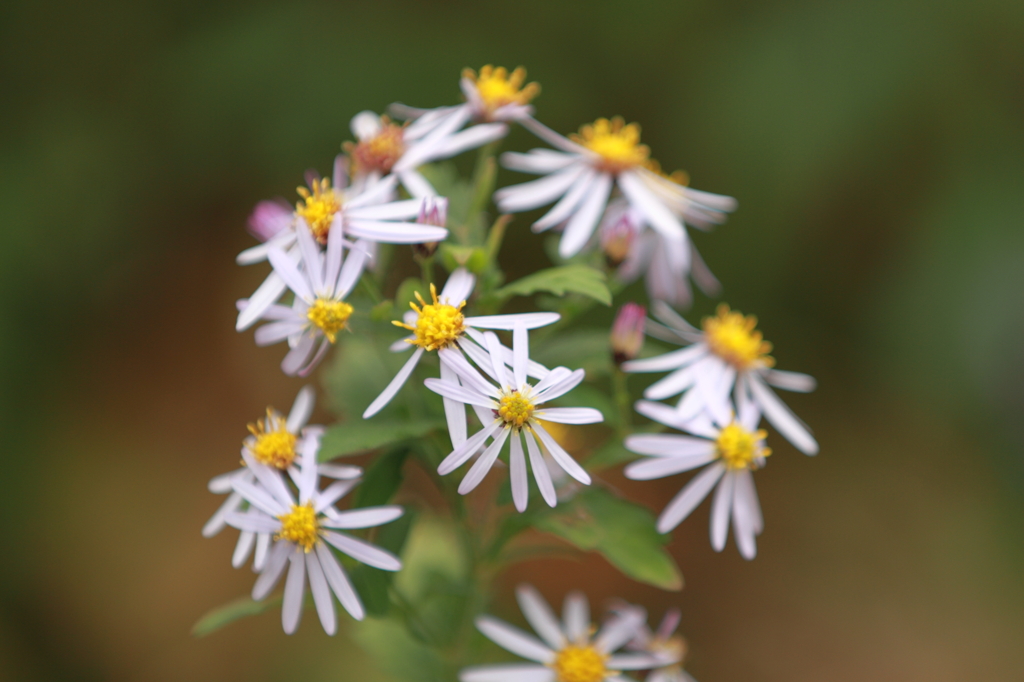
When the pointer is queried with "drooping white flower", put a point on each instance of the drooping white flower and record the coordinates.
(730, 451)
(384, 147)
(581, 176)
(511, 410)
(319, 312)
(494, 97)
(366, 213)
(441, 324)
(274, 441)
(637, 250)
(727, 360)
(565, 651)
(302, 529)
(662, 643)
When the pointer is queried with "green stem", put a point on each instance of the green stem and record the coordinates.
(623, 402)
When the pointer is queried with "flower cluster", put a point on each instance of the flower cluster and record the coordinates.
(619, 217)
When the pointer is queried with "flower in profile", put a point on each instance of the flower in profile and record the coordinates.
(384, 147)
(302, 529)
(319, 312)
(566, 651)
(627, 337)
(366, 212)
(270, 218)
(727, 356)
(440, 324)
(663, 643)
(730, 451)
(512, 410)
(580, 175)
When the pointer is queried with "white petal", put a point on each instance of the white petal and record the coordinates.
(458, 287)
(455, 391)
(743, 518)
(560, 388)
(745, 488)
(470, 377)
(396, 233)
(540, 616)
(617, 631)
(515, 640)
(394, 210)
(307, 472)
(276, 332)
(365, 125)
(520, 354)
(571, 415)
(673, 360)
(540, 471)
(656, 213)
(416, 184)
(538, 161)
(335, 247)
(301, 409)
(584, 220)
(673, 384)
(276, 561)
(569, 203)
(396, 384)
(576, 616)
(667, 445)
(339, 582)
(252, 521)
(482, 465)
(562, 457)
(367, 517)
(216, 523)
(246, 539)
(340, 471)
(661, 413)
(666, 466)
(294, 588)
(721, 508)
(286, 269)
(259, 498)
(507, 672)
(517, 474)
(463, 452)
(332, 493)
(375, 193)
(351, 269)
(321, 594)
(551, 137)
(311, 259)
(530, 195)
(454, 411)
(508, 322)
(468, 139)
(790, 381)
(689, 497)
(497, 358)
(363, 551)
(637, 661)
(264, 296)
(297, 356)
(780, 416)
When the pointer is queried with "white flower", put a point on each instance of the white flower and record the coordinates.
(275, 442)
(441, 324)
(565, 651)
(728, 356)
(730, 451)
(581, 177)
(636, 250)
(494, 95)
(319, 312)
(512, 408)
(366, 212)
(384, 148)
(301, 531)
(662, 643)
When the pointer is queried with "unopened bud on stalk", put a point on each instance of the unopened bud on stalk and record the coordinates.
(627, 337)
(433, 211)
(618, 231)
(269, 218)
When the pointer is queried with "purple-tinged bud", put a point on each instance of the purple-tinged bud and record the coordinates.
(618, 232)
(270, 218)
(433, 211)
(627, 337)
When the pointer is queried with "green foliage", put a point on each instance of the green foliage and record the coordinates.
(354, 437)
(373, 584)
(215, 619)
(561, 280)
(381, 479)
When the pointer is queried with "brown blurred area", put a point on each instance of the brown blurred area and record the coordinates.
(876, 149)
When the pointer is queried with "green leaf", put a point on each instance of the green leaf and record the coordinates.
(577, 279)
(621, 531)
(217, 618)
(381, 479)
(353, 437)
(372, 584)
(398, 653)
(610, 454)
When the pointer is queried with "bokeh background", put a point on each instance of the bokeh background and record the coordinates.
(876, 148)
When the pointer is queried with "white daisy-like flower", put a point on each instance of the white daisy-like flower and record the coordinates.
(635, 249)
(302, 531)
(663, 643)
(494, 96)
(319, 312)
(728, 356)
(731, 452)
(367, 213)
(508, 411)
(274, 441)
(581, 176)
(384, 147)
(441, 324)
(565, 651)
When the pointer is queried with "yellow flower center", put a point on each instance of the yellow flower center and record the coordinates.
(498, 88)
(439, 324)
(329, 315)
(733, 337)
(275, 444)
(300, 526)
(580, 664)
(515, 408)
(380, 152)
(318, 207)
(737, 447)
(617, 144)
(673, 648)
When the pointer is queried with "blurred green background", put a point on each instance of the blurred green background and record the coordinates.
(876, 149)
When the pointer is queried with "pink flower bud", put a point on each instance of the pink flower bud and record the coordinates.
(627, 337)
(269, 218)
(618, 232)
(433, 211)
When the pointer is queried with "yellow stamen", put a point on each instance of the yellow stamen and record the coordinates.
(498, 88)
(733, 337)
(678, 177)
(380, 152)
(329, 315)
(300, 526)
(738, 448)
(617, 144)
(580, 664)
(515, 408)
(275, 444)
(439, 324)
(318, 207)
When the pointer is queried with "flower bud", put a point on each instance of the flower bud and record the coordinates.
(269, 218)
(627, 337)
(618, 232)
(433, 211)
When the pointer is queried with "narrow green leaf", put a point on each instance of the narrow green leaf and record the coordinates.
(215, 619)
(353, 437)
(621, 531)
(610, 454)
(577, 279)
(372, 584)
(381, 479)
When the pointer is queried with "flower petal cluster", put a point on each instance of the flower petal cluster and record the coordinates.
(562, 651)
(663, 643)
